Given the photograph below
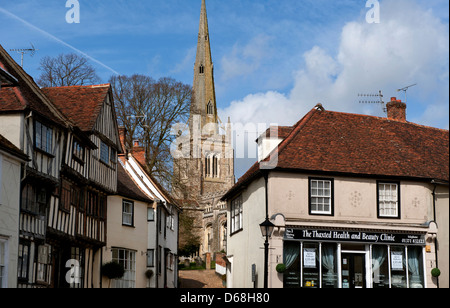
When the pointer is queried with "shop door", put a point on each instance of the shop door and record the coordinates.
(353, 270)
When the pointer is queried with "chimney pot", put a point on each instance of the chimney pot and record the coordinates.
(136, 143)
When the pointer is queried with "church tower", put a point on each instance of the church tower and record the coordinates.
(208, 173)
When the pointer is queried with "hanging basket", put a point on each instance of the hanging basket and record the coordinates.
(281, 268)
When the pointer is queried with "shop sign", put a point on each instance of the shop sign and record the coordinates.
(354, 236)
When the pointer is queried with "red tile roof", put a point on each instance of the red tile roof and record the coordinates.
(353, 144)
(26, 95)
(81, 104)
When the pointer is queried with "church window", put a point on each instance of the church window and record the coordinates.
(210, 109)
(212, 166)
(202, 69)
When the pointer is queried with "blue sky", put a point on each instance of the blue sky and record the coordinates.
(274, 60)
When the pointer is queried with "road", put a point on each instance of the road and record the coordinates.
(200, 279)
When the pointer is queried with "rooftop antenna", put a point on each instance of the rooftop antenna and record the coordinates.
(372, 99)
(405, 89)
(23, 51)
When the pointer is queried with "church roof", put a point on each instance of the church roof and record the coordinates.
(353, 144)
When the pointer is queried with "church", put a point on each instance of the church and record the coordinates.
(205, 171)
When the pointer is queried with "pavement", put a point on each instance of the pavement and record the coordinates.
(200, 279)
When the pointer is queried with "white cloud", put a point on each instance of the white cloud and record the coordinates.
(244, 60)
(409, 45)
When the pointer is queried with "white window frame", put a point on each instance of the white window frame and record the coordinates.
(236, 215)
(320, 193)
(388, 200)
(129, 263)
(127, 214)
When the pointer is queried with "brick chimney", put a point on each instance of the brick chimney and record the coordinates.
(396, 110)
(122, 134)
(138, 153)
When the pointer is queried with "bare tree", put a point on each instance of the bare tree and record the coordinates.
(66, 70)
(148, 109)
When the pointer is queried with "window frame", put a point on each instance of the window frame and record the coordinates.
(42, 130)
(311, 196)
(131, 204)
(385, 216)
(236, 215)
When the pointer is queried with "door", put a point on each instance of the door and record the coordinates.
(353, 270)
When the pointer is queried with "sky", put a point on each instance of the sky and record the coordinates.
(274, 60)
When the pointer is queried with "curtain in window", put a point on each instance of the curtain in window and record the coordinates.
(415, 267)
(379, 255)
(291, 253)
(328, 258)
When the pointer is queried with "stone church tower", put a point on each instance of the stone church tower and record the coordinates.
(206, 170)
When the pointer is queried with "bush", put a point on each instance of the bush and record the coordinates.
(281, 268)
(435, 272)
(113, 270)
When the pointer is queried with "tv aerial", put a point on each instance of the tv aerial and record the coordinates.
(23, 51)
(405, 89)
(372, 99)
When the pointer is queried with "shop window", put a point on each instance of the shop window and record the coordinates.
(329, 266)
(76, 281)
(380, 266)
(388, 195)
(292, 262)
(415, 267)
(44, 267)
(311, 265)
(321, 196)
(23, 261)
(398, 267)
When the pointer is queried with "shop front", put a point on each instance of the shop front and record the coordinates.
(320, 258)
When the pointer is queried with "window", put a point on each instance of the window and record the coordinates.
(104, 152)
(3, 260)
(150, 214)
(44, 264)
(388, 195)
(236, 214)
(127, 213)
(34, 200)
(23, 261)
(210, 109)
(43, 137)
(321, 196)
(77, 255)
(126, 258)
(150, 257)
(212, 166)
(66, 197)
(78, 151)
(201, 69)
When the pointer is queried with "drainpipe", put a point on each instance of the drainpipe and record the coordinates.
(435, 239)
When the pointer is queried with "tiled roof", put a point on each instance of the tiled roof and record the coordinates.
(26, 95)
(353, 144)
(81, 104)
(126, 187)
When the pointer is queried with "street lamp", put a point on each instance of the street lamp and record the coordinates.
(266, 230)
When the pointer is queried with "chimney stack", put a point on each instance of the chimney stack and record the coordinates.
(396, 110)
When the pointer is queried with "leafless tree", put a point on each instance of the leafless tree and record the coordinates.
(66, 70)
(148, 109)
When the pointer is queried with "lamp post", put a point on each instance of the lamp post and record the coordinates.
(266, 229)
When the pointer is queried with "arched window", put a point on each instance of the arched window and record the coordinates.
(212, 166)
(210, 108)
(201, 69)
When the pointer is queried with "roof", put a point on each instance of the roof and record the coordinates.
(8, 147)
(353, 144)
(126, 187)
(81, 104)
(26, 95)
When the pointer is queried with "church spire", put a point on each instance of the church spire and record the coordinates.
(204, 103)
